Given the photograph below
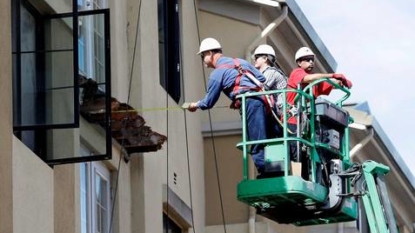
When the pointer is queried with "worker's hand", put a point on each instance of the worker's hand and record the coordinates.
(345, 82)
(192, 107)
(337, 81)
(338, 76)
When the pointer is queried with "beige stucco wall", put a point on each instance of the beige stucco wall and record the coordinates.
(265, 226)
(120, 59)
(123, 216)
(26, 190)
(60, 6)
(234, 36)
(229, 165)
(32, 192)
(6, 135)
(170, 164)
(149, 198)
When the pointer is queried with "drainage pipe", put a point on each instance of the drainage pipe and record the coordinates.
(361, 144)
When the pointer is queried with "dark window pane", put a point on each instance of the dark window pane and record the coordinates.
(169, 226)
(169, 47)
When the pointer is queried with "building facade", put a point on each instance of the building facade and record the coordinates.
(67, 165)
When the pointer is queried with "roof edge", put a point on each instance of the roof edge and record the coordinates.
(310, 34)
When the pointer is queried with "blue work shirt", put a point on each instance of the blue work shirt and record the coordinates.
(223, 79)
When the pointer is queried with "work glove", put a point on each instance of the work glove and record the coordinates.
(338, 76)
(235, 104)
(347, 83)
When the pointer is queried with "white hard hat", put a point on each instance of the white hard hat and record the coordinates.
(264, 49)
(303, 52)
(209, 44)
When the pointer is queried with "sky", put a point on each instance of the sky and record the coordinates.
(373, 42)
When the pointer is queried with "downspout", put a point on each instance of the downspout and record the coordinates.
(266, 32)
(362, 143)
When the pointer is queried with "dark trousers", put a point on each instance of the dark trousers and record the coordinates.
(293, 144)
(257, 121)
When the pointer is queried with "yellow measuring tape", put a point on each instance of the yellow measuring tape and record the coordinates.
(160, 109)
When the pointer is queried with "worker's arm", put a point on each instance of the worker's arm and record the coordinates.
(323, 88)
(340, 79)
(213, 92)
(313, 77)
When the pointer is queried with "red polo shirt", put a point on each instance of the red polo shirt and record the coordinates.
(296, 77)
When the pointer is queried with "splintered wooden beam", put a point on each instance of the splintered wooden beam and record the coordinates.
(127, 127)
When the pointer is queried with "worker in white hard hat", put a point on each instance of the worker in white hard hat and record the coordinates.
(275, 79)
(303, 75)
(232, 77)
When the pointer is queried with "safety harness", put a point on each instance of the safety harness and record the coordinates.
(238, 89)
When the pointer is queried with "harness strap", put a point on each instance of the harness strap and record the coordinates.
(236, 86)
(268, 99)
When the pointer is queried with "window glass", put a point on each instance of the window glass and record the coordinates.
(101, 203)
(91, 42)
(44, 73)
(84, 197)
(95, 198)
(92, 49)
(169, 226)
(169, 47)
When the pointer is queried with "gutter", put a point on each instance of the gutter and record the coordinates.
(362, 143)
(266, 32)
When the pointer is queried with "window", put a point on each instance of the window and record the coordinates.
(90, 38)
(95, 198)
(177, 216)
(169, 47)
(28, 100)
(46, 92)
(169, 226)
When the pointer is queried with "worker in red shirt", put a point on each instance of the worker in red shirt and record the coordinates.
(304, 75)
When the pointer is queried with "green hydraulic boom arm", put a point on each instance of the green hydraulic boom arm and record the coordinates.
(368, 180)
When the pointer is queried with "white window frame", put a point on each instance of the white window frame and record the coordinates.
(91, 223)
(87, 28)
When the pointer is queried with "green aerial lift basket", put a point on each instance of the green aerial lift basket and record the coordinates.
(288, 197)
(292, 200)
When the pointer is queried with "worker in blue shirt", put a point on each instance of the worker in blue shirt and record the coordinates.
(230, 77)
